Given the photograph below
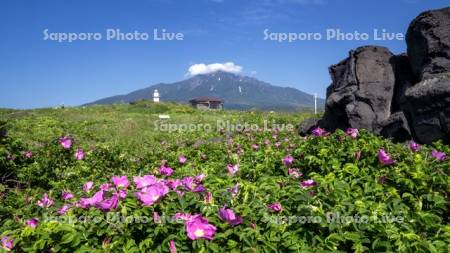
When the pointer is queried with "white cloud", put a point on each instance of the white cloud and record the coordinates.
(198, 69)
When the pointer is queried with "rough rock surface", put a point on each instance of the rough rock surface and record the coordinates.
(429, 109)
(404, 79)
(362, 90)
(428, 101)
(428, 40)
(397, 96)
(396, 127)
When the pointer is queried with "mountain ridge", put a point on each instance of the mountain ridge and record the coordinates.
(238, 92)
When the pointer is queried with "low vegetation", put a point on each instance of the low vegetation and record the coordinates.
(117, 179)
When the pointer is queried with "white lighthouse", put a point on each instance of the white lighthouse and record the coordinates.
(315, 103)
(156, 96)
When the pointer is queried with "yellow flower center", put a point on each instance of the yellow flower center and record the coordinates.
(199, 233)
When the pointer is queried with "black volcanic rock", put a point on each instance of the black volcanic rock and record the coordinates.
(428, 101)
(238, 92)
(428, 40)
(404, 79)
(397, 96)
(429, 109)
(362, 90)
(396, 127)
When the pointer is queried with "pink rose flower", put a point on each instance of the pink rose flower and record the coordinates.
(308, 183)
(233, 169)
(197, 227)
(120, 181)
(79, 154)
(66, 142)
(352, 132)
(32, 223)
(440, 156)
(45, 202)
(182, 159)
(288, 160)
(88, 186)
(276, 207)
(229, 216)
(384, 158)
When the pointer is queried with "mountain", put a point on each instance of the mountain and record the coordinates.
(238, 92)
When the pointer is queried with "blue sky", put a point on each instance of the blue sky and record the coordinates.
(38, 73)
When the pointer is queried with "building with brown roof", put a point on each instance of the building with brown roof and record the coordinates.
(207, 103)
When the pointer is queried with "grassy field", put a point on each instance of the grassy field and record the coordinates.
(118, 179)
(132, 126)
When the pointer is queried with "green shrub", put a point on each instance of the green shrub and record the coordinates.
(354, 203)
